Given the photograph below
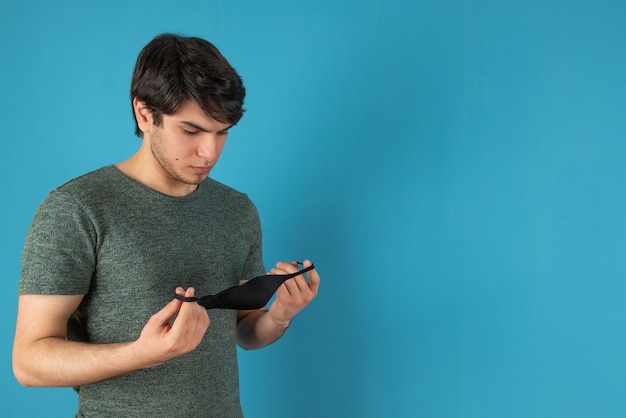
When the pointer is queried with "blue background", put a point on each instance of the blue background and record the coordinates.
(455, 169)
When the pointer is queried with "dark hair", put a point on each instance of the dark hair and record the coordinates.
(172, 69)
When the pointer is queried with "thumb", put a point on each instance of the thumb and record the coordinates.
(167, 311)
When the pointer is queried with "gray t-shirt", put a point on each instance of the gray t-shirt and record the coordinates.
(127, 247)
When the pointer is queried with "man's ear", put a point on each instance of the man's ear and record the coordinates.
(142, 115)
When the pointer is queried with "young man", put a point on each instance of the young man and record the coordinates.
(107, 251)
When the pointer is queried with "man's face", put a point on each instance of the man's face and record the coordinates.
(186, 146)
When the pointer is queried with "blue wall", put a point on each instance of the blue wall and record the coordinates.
(455, 169)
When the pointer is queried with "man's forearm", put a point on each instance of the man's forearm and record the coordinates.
(54, 361)
(257, 329)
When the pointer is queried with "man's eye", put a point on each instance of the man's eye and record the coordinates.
(188, 132)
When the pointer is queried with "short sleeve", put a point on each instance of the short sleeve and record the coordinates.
(60, 251)
(253, 265)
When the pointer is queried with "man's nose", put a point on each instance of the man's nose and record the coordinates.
(209, 148)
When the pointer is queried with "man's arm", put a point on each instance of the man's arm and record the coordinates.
(42, 356)
(259, 328)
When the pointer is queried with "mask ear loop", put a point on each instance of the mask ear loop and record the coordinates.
(263, 287)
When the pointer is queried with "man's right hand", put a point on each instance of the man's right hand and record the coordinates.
(162, 340)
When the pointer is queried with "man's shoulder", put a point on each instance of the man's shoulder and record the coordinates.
(219, 196)
(98, 184)
(101, 175)
(214, 187)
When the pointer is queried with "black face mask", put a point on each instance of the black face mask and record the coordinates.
(253, 294)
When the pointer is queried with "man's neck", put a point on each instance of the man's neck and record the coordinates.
(143, 172)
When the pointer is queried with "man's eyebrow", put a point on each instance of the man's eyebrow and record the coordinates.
(200, 128)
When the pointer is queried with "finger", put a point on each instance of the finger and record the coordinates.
(314, 277)
(304, 286)
(296, 285)
(192, 318)
(288, 267)
(276, 270)
(314, 281)
(168, 311)
(188, 309)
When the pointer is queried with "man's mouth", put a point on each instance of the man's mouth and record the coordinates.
(202, 169)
